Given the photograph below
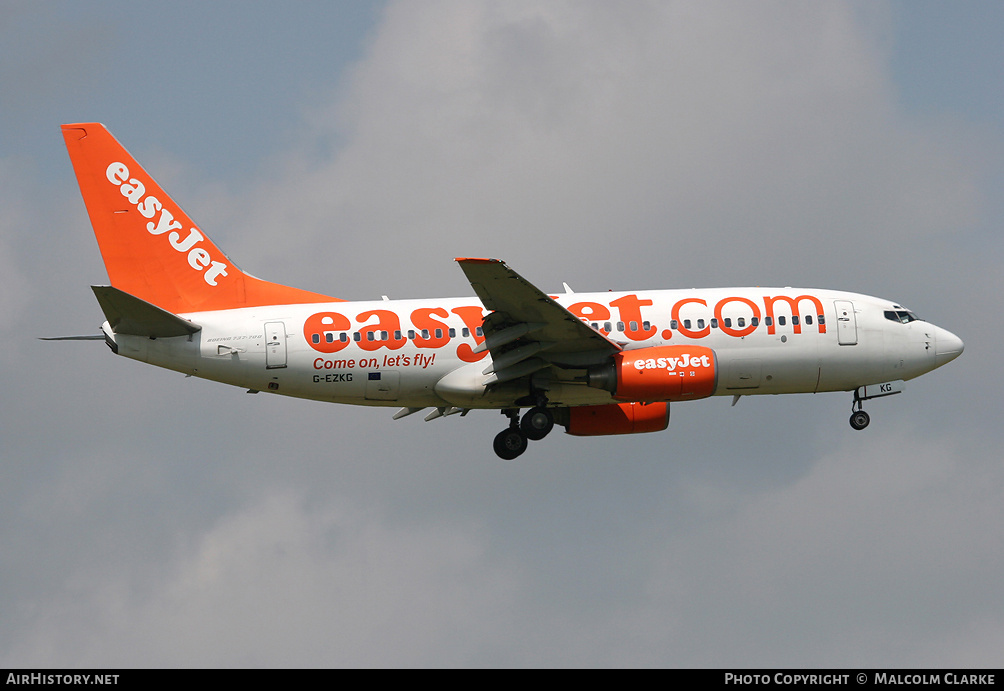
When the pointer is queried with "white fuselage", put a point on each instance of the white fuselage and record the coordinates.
(420, 353)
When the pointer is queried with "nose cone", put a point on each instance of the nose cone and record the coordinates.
(947, 346)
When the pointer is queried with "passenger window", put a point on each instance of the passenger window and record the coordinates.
(453, 333)
(425, 334)
(794, 320)
(466, 332)
(768, 321)
(727, 322)
(781, 321)
(714, 323)
(700, 324)
(329, 337)
(634, 326)
(646, 326)
(480, 331)
(411, 334)
(439, 333)
(820, 319)
(620, 326)
(674, 325)
(343, 337)
(686, 323)
(755, 321)
(357, 337)
(369, 335)
(608, 327)
(740, 322)
(315, 338)
(808, 319)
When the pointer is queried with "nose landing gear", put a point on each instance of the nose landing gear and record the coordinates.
(859, 418)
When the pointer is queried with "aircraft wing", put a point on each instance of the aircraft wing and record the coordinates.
(527, 330)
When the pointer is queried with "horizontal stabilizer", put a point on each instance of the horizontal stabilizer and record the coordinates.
(96, 337)
(129, 315)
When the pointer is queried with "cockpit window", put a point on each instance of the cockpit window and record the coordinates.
(902, 316)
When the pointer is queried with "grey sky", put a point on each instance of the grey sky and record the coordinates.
(151, 520)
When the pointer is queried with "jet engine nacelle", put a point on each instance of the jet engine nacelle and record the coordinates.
(616, 418)
(659, 373)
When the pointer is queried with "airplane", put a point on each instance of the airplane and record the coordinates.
(600, 363)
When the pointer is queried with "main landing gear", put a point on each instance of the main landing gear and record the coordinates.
(535, 425)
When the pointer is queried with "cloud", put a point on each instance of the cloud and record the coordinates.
(873, 540)
(865, 559)
(284, 583)
(732, 143)
(154, 520)
(12, 223)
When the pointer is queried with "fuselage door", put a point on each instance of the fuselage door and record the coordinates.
(275, 345)
(847, 324)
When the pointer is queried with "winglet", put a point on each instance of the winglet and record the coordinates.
(151, 248)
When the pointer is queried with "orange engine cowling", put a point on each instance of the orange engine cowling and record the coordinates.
(659, 373)
(617, 418)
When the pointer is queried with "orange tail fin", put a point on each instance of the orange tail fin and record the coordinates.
(150, 247)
